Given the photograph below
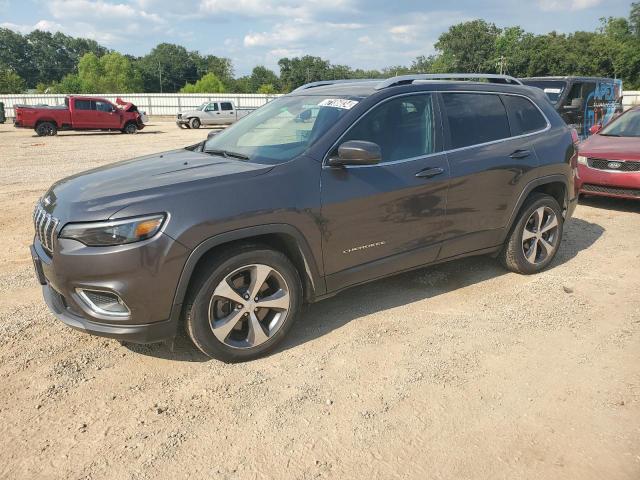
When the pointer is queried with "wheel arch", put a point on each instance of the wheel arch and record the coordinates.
(45, 119)
(281, 237)
(555, 185)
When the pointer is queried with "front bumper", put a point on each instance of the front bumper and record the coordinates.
(144, 275)
(593, 181)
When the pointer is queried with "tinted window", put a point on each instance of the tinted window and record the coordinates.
(524, 117)
(475, 118)
(226, 106)
(83, 105)
(103, 107)
(402, 127)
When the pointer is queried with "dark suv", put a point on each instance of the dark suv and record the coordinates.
(334, 185)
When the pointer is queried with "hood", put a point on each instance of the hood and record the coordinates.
(611, 148)
(190, 112)
(100, 193)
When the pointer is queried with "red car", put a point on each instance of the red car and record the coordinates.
(80, 113)
(609, 161)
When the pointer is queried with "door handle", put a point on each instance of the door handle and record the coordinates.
(429, 172)
(520, 154)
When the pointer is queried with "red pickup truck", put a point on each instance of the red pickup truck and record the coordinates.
(80, 113)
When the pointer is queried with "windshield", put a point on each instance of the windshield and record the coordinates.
(626, 125)
(282, 129)
(553, 88)
(202, 107)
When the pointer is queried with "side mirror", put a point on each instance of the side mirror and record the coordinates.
(356, 152)
(595, 128)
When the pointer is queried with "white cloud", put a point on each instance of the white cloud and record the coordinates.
(558, 5)
(274, 8)
(45, 25)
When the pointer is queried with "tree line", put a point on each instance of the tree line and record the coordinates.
(58, 63)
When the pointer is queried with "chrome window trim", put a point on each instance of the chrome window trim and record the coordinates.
(452, 150)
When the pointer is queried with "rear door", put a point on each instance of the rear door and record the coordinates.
(378, 219)
(83, 113)
(489, 164)
(228, 112)
(106, 115)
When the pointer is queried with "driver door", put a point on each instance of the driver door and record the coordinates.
(211, 114)
(383, 218)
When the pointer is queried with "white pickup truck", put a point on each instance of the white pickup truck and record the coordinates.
(210, 113)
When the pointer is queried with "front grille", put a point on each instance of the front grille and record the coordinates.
(45, 226)
(625, 166)
(179, 115)
(633, 192)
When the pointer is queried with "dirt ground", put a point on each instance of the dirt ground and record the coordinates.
(459, 371)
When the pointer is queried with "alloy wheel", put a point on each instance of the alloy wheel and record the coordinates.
(249, 306)
(540, 235)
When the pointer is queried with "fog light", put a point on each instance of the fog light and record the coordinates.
(104, 302)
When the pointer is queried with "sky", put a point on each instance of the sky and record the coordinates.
(358, 33)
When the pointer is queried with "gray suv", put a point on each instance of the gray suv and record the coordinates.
(334, 185)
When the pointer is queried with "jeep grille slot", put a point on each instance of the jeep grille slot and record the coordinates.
(45, 226)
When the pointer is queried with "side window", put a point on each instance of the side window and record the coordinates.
(212, 107)
(103, 107)
(226, 106)
(403, 127)
(475, 118)
(83, 104)
(524, 117)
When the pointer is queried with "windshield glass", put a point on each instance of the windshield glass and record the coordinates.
(553, 88)
(626, 125)
(282, 129)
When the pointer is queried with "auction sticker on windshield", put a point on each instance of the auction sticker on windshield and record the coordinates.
(338, 103)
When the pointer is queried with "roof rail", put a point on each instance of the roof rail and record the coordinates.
(322, 83)
(409, 79)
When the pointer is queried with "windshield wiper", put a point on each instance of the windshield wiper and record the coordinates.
(227, 154)
(609, 135)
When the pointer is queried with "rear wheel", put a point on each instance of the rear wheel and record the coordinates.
(46, 129)
(535, 238)
(194, 123)
(243, 303)
(130, 128)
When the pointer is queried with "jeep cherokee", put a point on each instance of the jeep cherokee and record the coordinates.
(333, 185)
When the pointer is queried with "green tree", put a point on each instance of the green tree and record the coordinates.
(207, 84)
(171, 63)
(262, 76)
(298, 71)
(267, 89)
(470, 46)
(119, 75)
(10, 81)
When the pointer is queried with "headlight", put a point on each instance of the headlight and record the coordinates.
(582, 160)
(116, 232)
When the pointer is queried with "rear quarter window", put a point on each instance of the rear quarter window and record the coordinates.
(524, 116)
(83, 105)
(475, 118)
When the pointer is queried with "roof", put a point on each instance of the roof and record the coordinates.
(364, 88)
(567, 78)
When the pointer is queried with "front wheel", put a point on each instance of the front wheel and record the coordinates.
(130, 128)
(243, 303)
(535, 238)
(194, 123)
(46, 129)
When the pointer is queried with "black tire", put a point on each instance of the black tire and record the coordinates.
(130, 128)
(194, 123)
(46, 129)
(200, 302)
(513, 255)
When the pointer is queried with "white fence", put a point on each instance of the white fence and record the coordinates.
(151, 103)
(171, 103)
(631, 98)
